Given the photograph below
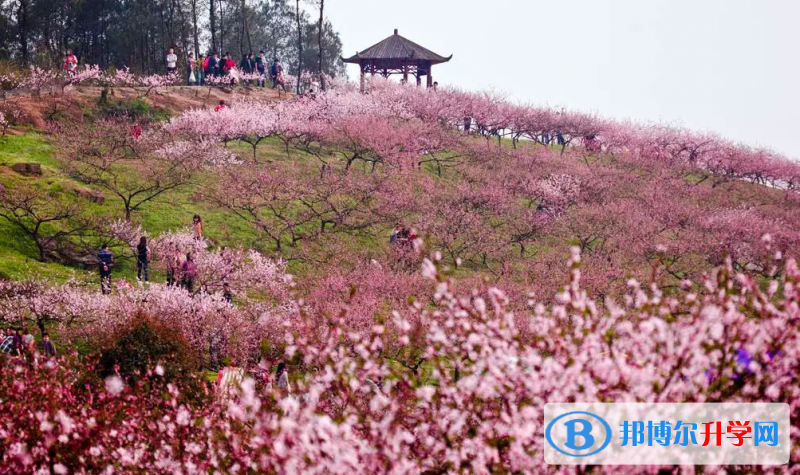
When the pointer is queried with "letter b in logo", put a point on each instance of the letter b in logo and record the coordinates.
(585, 432)
(578, 434)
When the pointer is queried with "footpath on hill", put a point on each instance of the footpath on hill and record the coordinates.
(76, 102)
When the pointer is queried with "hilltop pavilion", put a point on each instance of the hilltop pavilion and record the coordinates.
(397, 55)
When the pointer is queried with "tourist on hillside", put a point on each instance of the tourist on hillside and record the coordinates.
(211, 64)
(435, 85)
(200, 67)
(226, 293)
(173, 259)
(28, 342)
(220, 106)
(191, 77)
(105, 260)
(8, 345)
(172, 61)
(189, 273)
(282, 380)
(142, 259)
(247, 66)
(136, 131)
(228, 64)
(19, 342)
(197, 221)
(261, 68)
(273, 72)
(47, 348)
(70, 63)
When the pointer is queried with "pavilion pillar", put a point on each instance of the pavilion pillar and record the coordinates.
(419, 80)
(430, 80)
(363, 79)
(405, 74)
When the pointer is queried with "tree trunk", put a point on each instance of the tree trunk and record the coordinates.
(246, 28)
(212, 20)
(299, 47)
(221, 28)
(22, 25)
(195, 36)
(320, 31)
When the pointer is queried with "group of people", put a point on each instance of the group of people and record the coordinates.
(22, 344)
(202, 67)
(181, 268)
(402, 236)
(212, 65)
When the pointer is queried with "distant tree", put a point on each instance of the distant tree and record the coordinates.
(48, 218)
(110, 156)
(299, 44)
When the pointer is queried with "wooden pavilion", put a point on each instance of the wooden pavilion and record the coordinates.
(397, 55)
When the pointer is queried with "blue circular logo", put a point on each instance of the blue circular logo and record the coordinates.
(582, 426)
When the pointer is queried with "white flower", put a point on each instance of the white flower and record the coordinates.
(114, 385)
(60, 469)
(159, 370)
(428, 269)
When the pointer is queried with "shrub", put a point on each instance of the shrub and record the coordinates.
(137, 109)
(140, 345)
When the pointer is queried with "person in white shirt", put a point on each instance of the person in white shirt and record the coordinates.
(172, 61)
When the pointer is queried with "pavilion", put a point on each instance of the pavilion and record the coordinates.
(397, 55)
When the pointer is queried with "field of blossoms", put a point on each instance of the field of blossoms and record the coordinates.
(553, 256)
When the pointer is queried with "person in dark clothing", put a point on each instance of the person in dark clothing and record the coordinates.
(214, 68)
(226, 293)
(246, 65)
(142, 259)
(105, 260)
(261, 68)
(189, 270)
(47, 347)
(7, 345)
(273, 73)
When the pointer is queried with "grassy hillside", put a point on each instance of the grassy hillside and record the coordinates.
(508, 214)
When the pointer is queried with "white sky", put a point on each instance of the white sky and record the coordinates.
(729, 66)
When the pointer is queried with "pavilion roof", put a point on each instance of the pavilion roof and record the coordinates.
(397, 47)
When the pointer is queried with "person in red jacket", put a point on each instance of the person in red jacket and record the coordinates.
(136, 131)
(220, 106)
(70, 63)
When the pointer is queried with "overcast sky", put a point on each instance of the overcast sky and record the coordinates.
(729, 66)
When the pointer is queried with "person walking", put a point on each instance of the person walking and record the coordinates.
(19, 342)
(273, 73)
(105, 260)
(247, 66)
(70, 63)
(200, 67)
(197, 221)
(8, 345)
(172, 61)
(191, 64)
(228, 66)
(142, 259)
(282, 380)
(189, 271)
(28, 342)
(210, 65)
(261, 68)
(226, 293)
(173, 264)
(47, 348)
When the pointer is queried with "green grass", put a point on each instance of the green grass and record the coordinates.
(169, 212)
